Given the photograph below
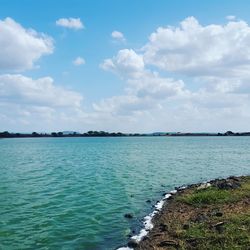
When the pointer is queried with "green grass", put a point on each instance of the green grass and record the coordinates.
(214, 195)
(203, 235)
(236, 235)
(207, 196)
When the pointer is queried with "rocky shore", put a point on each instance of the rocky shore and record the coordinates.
(212, 215)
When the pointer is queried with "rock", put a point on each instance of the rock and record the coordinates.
(163, 227)
(148, 201)
(204, 186)
(133, 243)
(234, 178)
(128, 216)
(219, 214)
(167, 243)
(219, 227)
(227, 184)
(201, 218)
(192, 241)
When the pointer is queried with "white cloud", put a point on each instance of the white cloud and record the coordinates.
(21, 47)
(70, 23)
(118, 36)
(195, 50)
(191, 77)
(215, 61)
(79, 61)
(231, 17)
(127, 63)
(20, 89)
(28, 104)
(145, 89)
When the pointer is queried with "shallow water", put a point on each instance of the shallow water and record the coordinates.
(72, 193)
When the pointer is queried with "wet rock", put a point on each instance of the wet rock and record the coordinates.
(148, 201)
(167, 243)
(235, 178)
(133, 243)
(128, 216)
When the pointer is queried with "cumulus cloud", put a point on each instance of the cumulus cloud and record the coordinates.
(118, 36)
(70, 23)
(212, 89)
(127, 63)
(21, 47)
(79, 61)
(20, 89)
(145, 89)
(28, 104)
(195, 50)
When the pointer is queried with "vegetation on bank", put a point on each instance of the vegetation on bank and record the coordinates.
(7, 134)
(200, 217)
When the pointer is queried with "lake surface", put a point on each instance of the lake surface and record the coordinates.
(72, 193)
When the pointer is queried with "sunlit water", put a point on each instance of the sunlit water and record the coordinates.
(72, 193)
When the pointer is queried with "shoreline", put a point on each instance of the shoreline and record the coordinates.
(156, 233)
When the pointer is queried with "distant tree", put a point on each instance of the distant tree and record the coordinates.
(35, 134)
(229, 133)
(60, 134)
(54, 134)
(5, 134)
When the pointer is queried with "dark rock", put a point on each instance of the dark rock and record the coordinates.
(219, 227)
(219, 214)
(163, 227)
(132, 243)
(227, 184)
(201, 218)
(148, 201)
(192, 241)
(128, 216)
(167, 243)
(234, 178)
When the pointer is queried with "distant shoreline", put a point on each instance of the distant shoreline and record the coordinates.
(7, 134)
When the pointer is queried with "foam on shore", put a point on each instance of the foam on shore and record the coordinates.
(147, 220)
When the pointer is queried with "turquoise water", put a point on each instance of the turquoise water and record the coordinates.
(72, 193)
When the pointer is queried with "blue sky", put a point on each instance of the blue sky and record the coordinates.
(117, 95)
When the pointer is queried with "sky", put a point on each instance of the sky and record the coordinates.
(124, 65)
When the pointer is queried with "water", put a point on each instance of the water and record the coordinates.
(72, 193)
